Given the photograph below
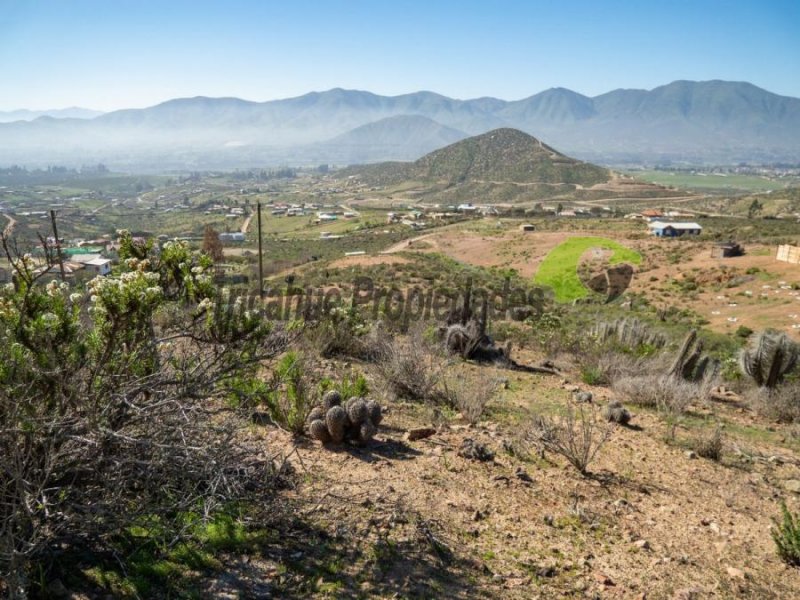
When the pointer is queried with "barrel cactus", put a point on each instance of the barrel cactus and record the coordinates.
(330, 399)
(366, 432)
(374, 411)
(616, 413)
(319, 431)
(317, 413)
(336, 420)
(357, 411)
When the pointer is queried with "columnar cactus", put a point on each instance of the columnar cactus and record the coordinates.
(770, 358)
(690, 363)
(356, 421)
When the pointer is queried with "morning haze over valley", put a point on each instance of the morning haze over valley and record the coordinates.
(333, 299)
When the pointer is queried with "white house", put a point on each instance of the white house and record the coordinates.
(672, 229)
(99, 266)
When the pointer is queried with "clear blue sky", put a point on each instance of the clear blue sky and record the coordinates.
(132, 53)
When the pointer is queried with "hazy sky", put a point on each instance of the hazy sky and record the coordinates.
(119, 53)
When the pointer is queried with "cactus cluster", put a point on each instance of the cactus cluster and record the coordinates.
(356, 420)
(629, 332)
(616, 413)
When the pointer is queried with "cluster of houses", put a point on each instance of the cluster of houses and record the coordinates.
(231, 212)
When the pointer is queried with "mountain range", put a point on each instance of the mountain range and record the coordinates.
(687, 122)
(73, 112)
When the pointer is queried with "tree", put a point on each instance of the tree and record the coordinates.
(212, 245)
(755, 208)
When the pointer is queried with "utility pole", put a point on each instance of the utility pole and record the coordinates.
(58, 245)
(260, 257)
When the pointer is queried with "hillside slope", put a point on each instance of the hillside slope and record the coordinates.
(497, 158)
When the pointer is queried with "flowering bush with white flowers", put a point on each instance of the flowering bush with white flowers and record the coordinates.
(104, 406)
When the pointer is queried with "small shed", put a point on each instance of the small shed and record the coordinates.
(99, 266)
(527, 227)
(726, 250)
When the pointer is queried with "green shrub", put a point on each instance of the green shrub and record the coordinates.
(290, 400)
(786, 534)
(593, 376)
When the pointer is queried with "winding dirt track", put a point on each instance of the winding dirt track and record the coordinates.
(12, 223)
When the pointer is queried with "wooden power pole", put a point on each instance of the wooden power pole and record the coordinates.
(58, 244)
(260, 257)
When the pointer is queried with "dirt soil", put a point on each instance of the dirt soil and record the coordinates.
(414, 519)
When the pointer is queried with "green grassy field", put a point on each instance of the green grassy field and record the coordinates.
(710, 182)
(559, 269)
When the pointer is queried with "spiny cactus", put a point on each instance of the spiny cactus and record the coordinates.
(357, 411)
(770, 358)
(330, 399)
(317, 414)
(629, 332)
(367, 431)
(616, 413)
(374, 411)
(357, 421)
(691, 364)
(336, 420)
(319, 431)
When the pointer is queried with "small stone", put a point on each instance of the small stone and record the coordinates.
(603, 579)
(775, 460)
(792, 485)
(523, 475)
(735, 573)
(642, 544)
(690, 454)
(546, 571)
(549, 520)
(475, 450)
(420, 433)
(478, 516)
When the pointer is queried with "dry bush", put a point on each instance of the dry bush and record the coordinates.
(578, 435)
(710, 445)
(667, 394)
(413, 367)
(471, 395)
(781, 404)
(601, 368)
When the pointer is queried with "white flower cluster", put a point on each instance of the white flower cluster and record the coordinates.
(136, 264)
(205, 304)
(55, 288)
